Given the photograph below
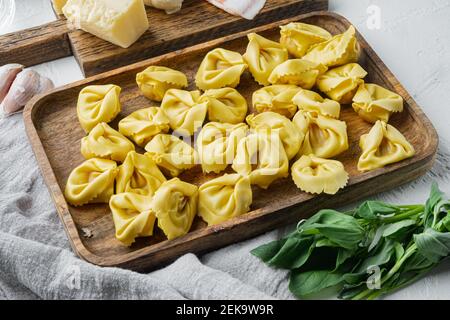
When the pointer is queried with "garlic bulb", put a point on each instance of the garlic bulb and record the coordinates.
(8, 73)
(170, 6)
(26, 85)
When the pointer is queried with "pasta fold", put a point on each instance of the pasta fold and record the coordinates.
(302, 73)
(276, 98)
(154, 81)
(225, 105)
(310, 101)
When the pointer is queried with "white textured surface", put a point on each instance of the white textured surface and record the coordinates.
(413, 41)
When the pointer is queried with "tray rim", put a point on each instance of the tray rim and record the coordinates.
(417, 164)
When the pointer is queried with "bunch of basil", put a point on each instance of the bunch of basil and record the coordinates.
(367, 252)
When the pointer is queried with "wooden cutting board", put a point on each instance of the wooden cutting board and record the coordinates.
(198, 21)
(54, 132)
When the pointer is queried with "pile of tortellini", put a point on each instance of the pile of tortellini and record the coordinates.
(292, 128)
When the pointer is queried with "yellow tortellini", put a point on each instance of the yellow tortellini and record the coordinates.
(175, 205)
(324, 137)
(262, 56)
(310, 101)
(185, 110)
(341, 83)
(217, 144)
(383, 145)
(262, 157)
(290, 136)
(171, 153)
(138, 174)
(105, 142)
(340, 49)
(133, 216)
(155, 81)
(316, 175)
(220, 68)
(298, 72)
(373, 102)
(298, 37)
(276, 98)
(99, 103)
(91, 182)
(142, 125)
(225, 105)
(223, 198)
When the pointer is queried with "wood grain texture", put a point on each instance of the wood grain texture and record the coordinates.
(54, 132)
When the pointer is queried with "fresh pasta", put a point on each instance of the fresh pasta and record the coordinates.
(310, 101)
(138, 174)
(171, 153)
(383, 145)
(91, 182)
(339, 50)
(217, 144)
(106, 143)
(98, 103)
(290, 136)
(154, 81)
(262, 56)
(373, 102)
(175, 205)
(276, 98)
(324, 137)
(317, 175)
(133, 216)
(220, 68)
(298, 72)
(298, 37)
(341, 83)
(262, 157)
(225, 105)
(142, 125)
(224, 198)
(185, 111)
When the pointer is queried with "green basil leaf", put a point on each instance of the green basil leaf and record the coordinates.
(382, 255)
(432, 244)
(302, 284)
(397, 229)
(433, 204)
(343, 255)
(324, 242)
(374, 210)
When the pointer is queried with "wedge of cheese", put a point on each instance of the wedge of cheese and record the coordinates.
(120, 22)
(58, 5)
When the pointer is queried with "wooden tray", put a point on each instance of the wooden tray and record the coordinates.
(54, 132)
(197, 22)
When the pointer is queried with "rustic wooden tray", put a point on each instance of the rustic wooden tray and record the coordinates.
(197, 22)
(54, 132)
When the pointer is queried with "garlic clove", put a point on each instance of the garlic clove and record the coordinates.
(45, 84)
(24, 87)
(8, 73)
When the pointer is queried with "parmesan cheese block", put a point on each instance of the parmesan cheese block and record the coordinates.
(119, 22)
(58, 5)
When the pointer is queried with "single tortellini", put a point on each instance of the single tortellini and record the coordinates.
(383, 145)
(310, 101)
(133, 216)
(290, 136)
(298, 37)
(91, 182)
(341, 83)
(138, 174)
(175, 205)
(317, 175)
(340, 49)
(185, 110)
(225, 105)
(276, 98)
(99, 103)
(262, 157)
(217, 144)
(220, 68)
(324, 137)
(262, 56)
(105, 142)
(373, 102)
(224, 198)
(298, 72)
(142, 125)
(171, 153)
(155, 81)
